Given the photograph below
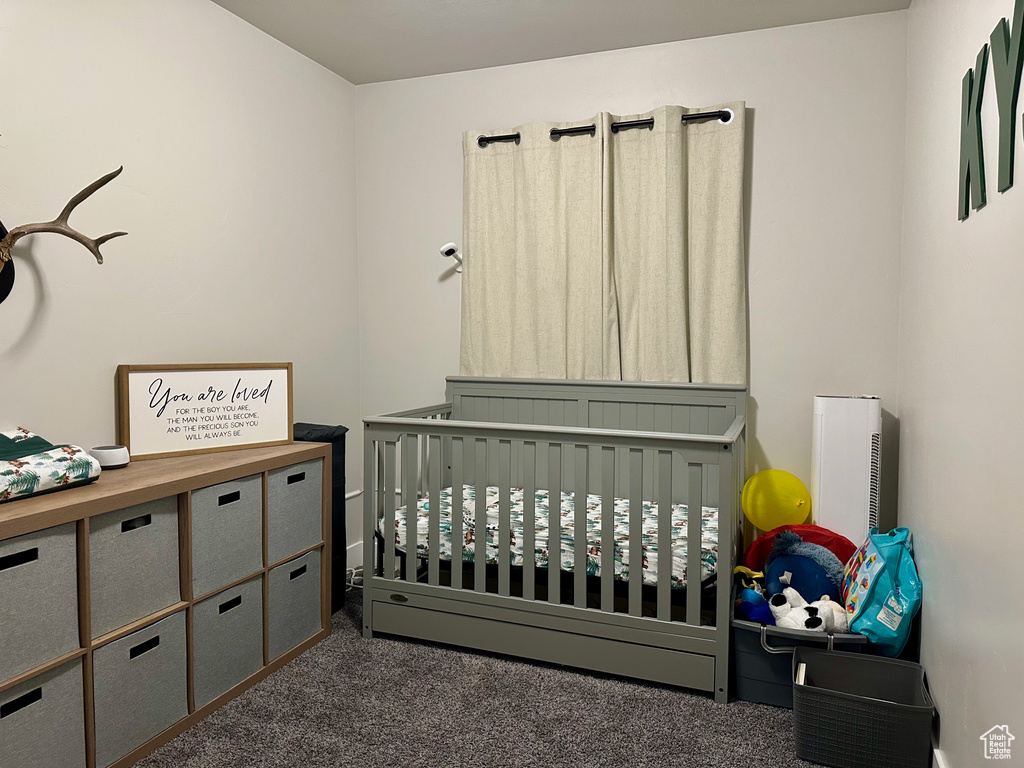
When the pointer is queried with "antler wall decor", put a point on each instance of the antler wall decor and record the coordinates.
(60, 226)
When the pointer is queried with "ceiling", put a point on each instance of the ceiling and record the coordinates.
(368, 41)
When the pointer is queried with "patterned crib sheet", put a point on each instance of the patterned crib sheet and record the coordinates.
(649, 536)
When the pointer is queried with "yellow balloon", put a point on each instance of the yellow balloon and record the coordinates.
(774, 497)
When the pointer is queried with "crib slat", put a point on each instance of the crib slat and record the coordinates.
(458, 513)
(423, 467)
(580, 532)
(480, 513)
(504, 513)
(529, 520)
(608, 529)
(554, 522)
(694, 509)
(387, 490)
(434, 510)
(378, 468)
(410, 451)
(380, 479)
(636, 551)
(665, 553)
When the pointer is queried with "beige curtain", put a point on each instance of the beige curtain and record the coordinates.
(613, 256)
(537, 294)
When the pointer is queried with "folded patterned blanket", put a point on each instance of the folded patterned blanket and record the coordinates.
(29, 465)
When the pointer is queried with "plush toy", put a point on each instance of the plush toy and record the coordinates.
(747, 578)
(755, 556)
(810, 569)
(751, 606)
(832, 613)
(791, 611)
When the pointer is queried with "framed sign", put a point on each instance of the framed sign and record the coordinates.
(172, 410)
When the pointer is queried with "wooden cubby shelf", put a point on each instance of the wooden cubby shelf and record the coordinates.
(293, 615)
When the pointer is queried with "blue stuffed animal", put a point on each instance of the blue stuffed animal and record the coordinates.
(751, 605)
(811, 569)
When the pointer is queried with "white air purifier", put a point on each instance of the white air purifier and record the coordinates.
(845, 451)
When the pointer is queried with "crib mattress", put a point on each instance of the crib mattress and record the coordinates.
(622, 560)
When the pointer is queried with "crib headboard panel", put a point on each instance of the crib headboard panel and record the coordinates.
(679, 408)
(676, 408)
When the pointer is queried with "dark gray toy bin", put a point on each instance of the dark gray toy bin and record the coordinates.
(762, 659)
(861, 711)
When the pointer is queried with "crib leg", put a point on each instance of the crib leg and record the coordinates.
(722, 669)
(367, 606)
(721, 692)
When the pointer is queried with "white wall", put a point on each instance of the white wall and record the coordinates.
(238, 195)
(825, 166)
(961, 368)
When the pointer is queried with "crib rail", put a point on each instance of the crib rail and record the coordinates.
(439, 411)
(411, 456)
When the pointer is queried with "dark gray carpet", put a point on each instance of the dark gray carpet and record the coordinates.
(398, 704)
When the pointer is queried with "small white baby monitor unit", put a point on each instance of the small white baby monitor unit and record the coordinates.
(451, 250)
(845, 454)
(111, 456)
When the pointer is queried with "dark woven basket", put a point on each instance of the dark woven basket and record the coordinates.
(859, 711)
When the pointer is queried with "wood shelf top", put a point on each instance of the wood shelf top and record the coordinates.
(143, 481)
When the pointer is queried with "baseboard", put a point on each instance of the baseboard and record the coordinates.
(938, 761)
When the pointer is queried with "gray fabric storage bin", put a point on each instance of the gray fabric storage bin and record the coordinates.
(42, 724)
(38, 599)
(227, 640)
(140, 687)
(294, 603)
(227, 533)
(294, 509)
(133, 563)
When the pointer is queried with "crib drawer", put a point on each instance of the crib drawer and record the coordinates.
(38, 599)
(41, 720)
(574, 649)
(227, 637)
(140, 687)
(294, 603)
(133, 562)
(294, 509)
(227, 533)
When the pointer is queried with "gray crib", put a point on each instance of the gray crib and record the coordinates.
(475, 474)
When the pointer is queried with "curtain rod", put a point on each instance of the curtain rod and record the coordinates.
(723, 115)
